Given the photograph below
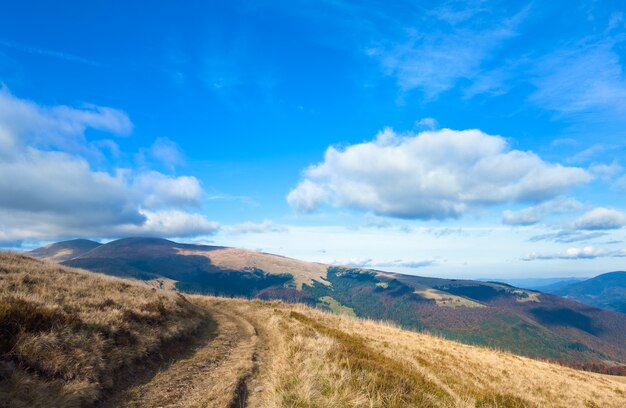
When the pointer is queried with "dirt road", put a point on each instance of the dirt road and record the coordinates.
(217, 371)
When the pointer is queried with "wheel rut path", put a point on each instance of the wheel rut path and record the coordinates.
(216, 370)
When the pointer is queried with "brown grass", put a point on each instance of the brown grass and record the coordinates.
(67, 334)
(316, 359)
(242, 260)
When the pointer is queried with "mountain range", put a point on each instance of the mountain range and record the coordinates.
(498, 315)
(73, 338)
(607, 291)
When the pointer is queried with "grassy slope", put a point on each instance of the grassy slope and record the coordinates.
(73, 334)
(322, 360)
(68, 334)
(481, 313)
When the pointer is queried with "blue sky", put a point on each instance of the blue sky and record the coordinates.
(471, 139)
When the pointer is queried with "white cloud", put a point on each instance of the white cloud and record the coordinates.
(431, 175)
(590, 152)
(257, 228)
(601, 219)
(567, 237)
(428, 123)
(49, 190)
(160, 190)
(24, 122)
(526, 216)
(307, 197)
(535, 214)
(388, 264)
(167, 152)
(175, 223)
(588, 76)
(587, 252)
(605, 171)
(444, 50)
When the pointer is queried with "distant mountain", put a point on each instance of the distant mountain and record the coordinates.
(65, 250)
(485, 313)
(537, 283)
(607, 291)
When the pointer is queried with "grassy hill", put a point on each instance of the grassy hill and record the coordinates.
(64, 251)
(607, 291)
(69, 335)
(482, 313)
(82, 339)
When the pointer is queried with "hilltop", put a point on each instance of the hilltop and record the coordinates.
(493, 314)
(122, 343)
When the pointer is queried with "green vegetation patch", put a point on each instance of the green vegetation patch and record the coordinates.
(334, 306)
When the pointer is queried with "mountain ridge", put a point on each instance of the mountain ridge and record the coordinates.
(78, 338)
(607, 291)
(484, 313)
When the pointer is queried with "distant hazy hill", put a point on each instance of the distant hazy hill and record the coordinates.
(539, 284)
(498, 315)
(64, 251)
(72, 338)
(607, 291)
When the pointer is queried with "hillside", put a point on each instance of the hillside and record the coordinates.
(68, 335)
(607, 291)
(65, 250)
(123, 344)
(483, 313)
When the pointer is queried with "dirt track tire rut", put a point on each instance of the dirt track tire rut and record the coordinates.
(215, 374)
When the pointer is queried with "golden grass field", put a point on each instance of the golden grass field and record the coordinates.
(82, 339)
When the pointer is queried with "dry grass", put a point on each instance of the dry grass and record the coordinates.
(316, 359)
(68, 334)
(242, 260)
(447, 299)
(208, 376)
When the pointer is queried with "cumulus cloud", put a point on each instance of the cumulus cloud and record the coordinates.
(159, 190)
(601, 219)
(307, 197)
(49, 190)
(431, 175)
(587, 252)
(534, 214)
(176, 223)
(23, 122)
